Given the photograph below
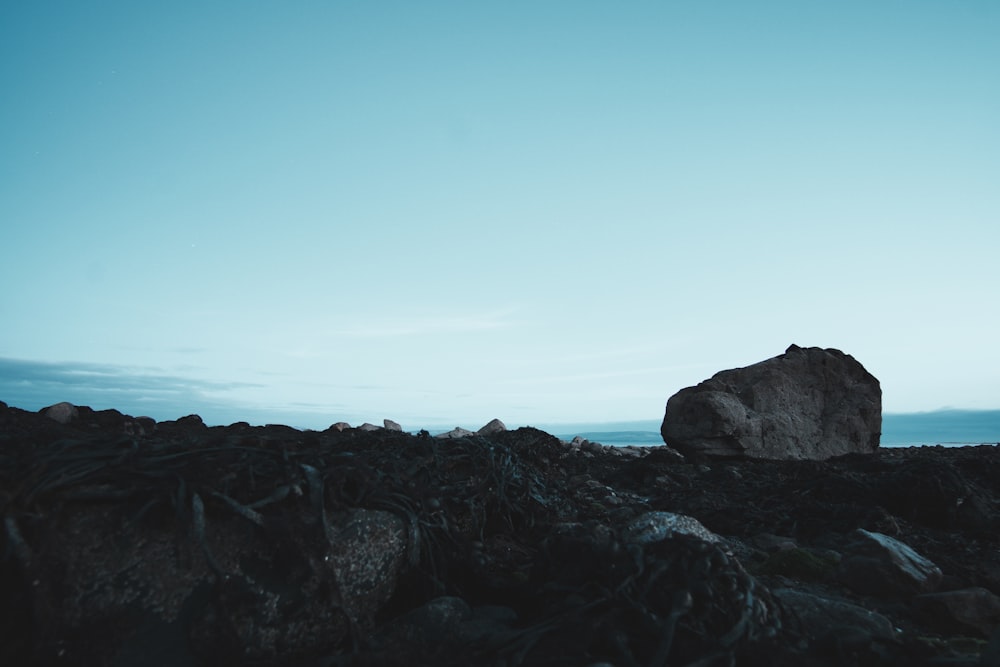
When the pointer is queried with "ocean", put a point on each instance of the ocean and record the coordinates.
(950, 428)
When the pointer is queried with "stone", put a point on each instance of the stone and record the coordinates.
(808, 403)
(973, 611)
(815, 616)
(434, 623)
(339, 426)
(457, 432)
(391, 425)
(369, 427)
(494, 426)
(658, 526)
(879, 565)
(154, 586)
(64, 412)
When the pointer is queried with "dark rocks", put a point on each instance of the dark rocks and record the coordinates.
(877, 564)
(101, 601)
(64, 412)
(816, 616)
(658, 526)
(808, 403)
(974, 611)
(271, 546)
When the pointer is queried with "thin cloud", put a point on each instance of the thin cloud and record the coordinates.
(601, 375)
(35, 384)
(426, 325)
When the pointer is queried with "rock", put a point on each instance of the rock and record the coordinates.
(494, 426)
(391, 425)
(140, 426)
(433, 624)
(339, 426)
(64, 412)
(658, 526)
(973, 611)
(770, 543)
(154, 587)
(879, 565)
(457, 432)
(808, 403)
(814, 616)
(369, 427)
(582, 444)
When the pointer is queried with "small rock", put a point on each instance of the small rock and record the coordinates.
(369, 427)
(457, 432)
(968, 610)
(494, 426)
(64, 412)
(434, 623)
(391, 425)
(339, 426)
(770, 543)
(191, 421)
(876, 564)
(816, 615)
(658, 526)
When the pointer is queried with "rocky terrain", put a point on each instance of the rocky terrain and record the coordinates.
(128, 542)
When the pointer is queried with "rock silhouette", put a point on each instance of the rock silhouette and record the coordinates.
(808, 403)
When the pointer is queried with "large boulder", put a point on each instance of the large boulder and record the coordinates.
(808, 403)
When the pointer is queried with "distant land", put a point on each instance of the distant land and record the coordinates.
(940, 427)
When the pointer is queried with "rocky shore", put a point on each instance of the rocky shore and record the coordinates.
(127, 541)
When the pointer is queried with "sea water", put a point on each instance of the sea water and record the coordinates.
(951, 428)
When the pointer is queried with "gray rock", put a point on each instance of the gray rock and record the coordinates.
(494, 426)
(658, 526)
(967, 611)
(879, 565)
(457, 432)
(815, 616)
(808, 403)
(339, 426)
(64, 412)
(367, 426)
(391, 425)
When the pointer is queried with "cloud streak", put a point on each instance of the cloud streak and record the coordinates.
(35, 384)
(426, 325)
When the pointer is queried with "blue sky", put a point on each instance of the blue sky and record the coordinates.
(445, 212)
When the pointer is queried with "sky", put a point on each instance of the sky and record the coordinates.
(445, 212)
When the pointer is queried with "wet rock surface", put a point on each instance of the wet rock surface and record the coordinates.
(126, 541)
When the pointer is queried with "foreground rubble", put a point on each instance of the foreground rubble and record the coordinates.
(132, 542)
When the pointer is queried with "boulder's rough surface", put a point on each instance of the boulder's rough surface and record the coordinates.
(808, 403)
(64, 412)
(231, 587)
(883, 565)
(974, 611)
(818, 616)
